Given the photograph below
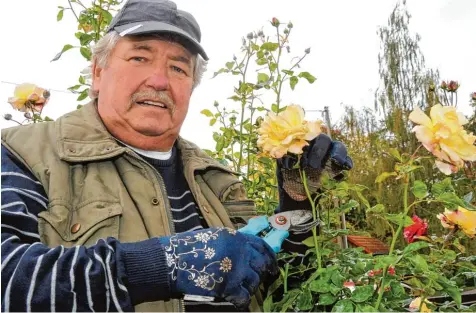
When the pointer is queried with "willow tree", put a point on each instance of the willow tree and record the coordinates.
(405, 82)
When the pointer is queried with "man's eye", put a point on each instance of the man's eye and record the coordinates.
(138, 59)
(178, 69)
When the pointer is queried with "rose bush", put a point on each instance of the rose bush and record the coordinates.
(424, 259)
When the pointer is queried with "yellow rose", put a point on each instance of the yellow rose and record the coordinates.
(415, 305)
(286, 132)
(461, 218)
(28, 97)
(443, 135)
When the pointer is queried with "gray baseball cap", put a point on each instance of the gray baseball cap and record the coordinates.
(140, 17)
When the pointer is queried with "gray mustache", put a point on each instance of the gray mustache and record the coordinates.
(162, 96)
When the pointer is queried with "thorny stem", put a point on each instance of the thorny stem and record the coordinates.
(74, 12)
(243, 105)
(394, 240)
(285, 280)
(448, 237)
(249, 141)
(314, 216)
(416, 150)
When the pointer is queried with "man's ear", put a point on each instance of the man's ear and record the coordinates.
(96, 76)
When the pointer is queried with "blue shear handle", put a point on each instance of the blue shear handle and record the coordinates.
(274, 238)
(255, 225)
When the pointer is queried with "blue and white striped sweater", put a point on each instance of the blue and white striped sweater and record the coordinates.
(109, 276)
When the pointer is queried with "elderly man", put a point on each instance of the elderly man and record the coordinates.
(109, 209)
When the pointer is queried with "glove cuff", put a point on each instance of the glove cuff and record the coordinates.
(147, 272)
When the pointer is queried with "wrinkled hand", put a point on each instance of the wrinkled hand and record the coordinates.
(218, 262)
(321, 154)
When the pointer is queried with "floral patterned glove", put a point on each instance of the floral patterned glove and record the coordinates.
(218, 262)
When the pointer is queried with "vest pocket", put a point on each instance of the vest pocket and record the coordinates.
(85, 225)
(240, 211)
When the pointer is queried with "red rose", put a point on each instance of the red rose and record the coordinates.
(418, 228)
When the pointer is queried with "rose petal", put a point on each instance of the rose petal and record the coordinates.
(297, 146)
(445, 168)
(419, 117)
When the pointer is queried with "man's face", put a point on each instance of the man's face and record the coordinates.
(144, 91)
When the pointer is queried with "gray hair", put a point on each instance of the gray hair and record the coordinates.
(103, 48)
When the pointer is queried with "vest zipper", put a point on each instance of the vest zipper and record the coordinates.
(180, 302)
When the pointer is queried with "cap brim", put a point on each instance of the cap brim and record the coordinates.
(141, 28)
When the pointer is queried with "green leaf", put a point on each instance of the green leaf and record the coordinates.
(304, 302)
(451, 289)
(290, 73)
(262, 78)
(85, 39)
(65, 48)
(415, 246)
(235, 98)
(419, 263)
(311, 79)
(309, 242)
(79, 106)
(48, 119)
(365, 308)
(384, 176)
(448, 255)
(337, 279)
(106, 16)
(363, 199)
(207, 113)
(254, 46)
(326, 299)
(395, 153)
(378, 208)
(451, 200)
(343, 306)
(59, 16)
(397, 289)
(419, 189)
(270, 46)
(82, 80)
(441, 187)
(222, 70)
(362, 293)
(213, 121)
(385, 260)
(261, 61)
(268, 302)
(349, 205)
(75, 87)
(86, 53)
(397, 219)
(320, 286)
(334, 289)
(273, 66)
(289, 299)
(229, 65)
(293, 80)
(274, 108)
(459, 246)
(220, 144)
(83, 95)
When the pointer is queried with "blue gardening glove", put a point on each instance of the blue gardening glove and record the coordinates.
(218, 262)
(322, 153)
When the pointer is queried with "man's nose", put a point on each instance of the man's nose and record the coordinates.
(158, 80)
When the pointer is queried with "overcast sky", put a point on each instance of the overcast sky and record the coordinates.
(341, 34)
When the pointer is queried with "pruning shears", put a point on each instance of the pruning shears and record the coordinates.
(276, 228)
